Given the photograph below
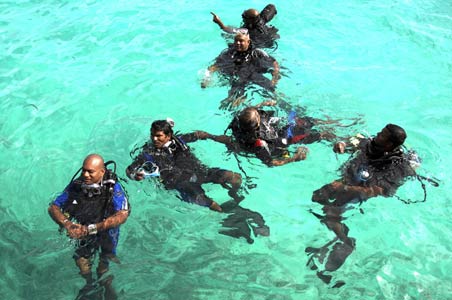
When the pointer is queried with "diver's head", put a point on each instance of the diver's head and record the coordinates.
(250, 17)
(389, 138)
(242, 41)
(93, 169)
(161, 132)
(249, 121)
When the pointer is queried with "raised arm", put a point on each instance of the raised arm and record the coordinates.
(223, 27)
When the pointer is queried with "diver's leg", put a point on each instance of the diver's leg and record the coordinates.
(333, 220)
(257, 223)
(109, 291)
(108, 242)
(318, 253)
(229, 180)
(83, 257)
(344, 245)
(236, 96)
(235, 225)
(84, 265)
(338, 255)
(193, 192)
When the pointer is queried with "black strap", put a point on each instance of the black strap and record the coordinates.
(75, 175)
(248, 179)
(420, 178)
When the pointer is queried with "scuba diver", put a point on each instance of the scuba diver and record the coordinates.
(255, 23)
(91, 209)
(243, 65)
(168, 157)
(262, 133)
(378, 168)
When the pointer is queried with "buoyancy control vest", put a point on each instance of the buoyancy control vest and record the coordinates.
(387, 171)
(90, 204)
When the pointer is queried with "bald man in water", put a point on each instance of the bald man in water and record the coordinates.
(255, 23)
(90, 209)
(243, 65)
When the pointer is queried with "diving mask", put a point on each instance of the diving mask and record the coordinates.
(91, 190)
(149, 169)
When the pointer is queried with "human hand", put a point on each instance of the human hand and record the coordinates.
(204, 83)
(206, 80)
(139, 175)
(301, 153)
(215, 19)
(339, 147)
(215, 206)
(76, 231)
(274, 82)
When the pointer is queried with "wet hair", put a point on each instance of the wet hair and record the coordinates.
(162, 125)
(248, 119)
(397, 134)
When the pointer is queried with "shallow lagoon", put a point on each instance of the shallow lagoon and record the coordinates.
(91, 76)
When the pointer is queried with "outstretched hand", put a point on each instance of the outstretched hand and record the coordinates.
(339, 147)
(215, 19)
(301, 153)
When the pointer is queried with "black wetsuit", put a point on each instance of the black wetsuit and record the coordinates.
(368, 169)
(180, 169)
(90, 208)
(246, 67)
(272, 139)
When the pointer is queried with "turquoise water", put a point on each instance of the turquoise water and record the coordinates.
(90, 76)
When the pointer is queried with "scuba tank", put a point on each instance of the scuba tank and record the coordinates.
(268, 13)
